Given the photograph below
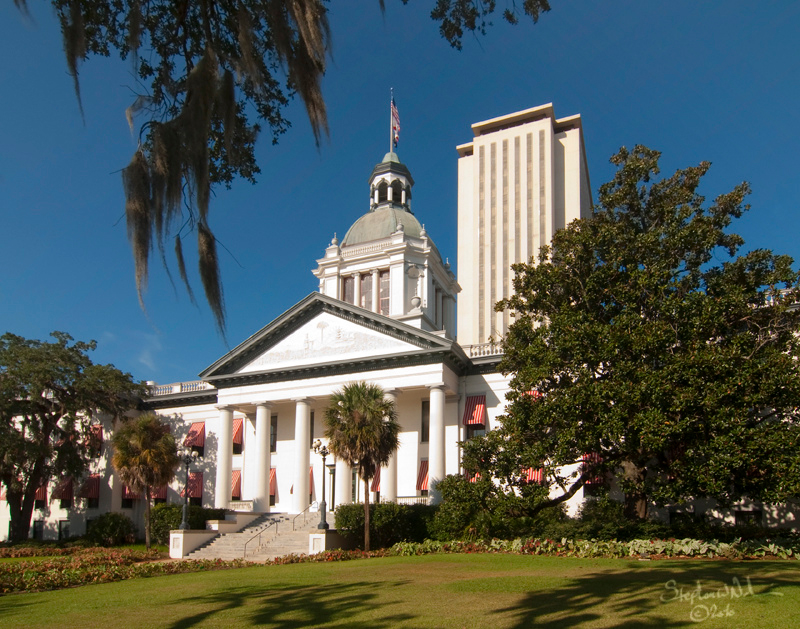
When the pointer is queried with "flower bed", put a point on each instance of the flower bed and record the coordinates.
(96, 565)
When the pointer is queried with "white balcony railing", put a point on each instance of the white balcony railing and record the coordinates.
(483, 349)
(179, 387)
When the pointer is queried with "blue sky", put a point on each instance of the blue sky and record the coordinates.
(717, 81)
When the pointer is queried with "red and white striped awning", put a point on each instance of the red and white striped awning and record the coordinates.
(41, 492)
(376, 481)
(129, 494)
(90, 488)
(273, 482)
(238, 430)
(474, 478)
(533, 475)
(475, 410)
(63, 491)
(422, 477)
(589, 462)
(236, 484)
(158, 493)
(534, 394)
(197, 436)
(195, 485)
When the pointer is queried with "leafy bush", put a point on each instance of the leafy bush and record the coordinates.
(111, 529)
(167, 517)
(389, 523)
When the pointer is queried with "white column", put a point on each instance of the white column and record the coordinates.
(222, 490)
(389, 473)
(302, 449)
(436, 441)
(376, 290)
(357, 289)
(262, 462)
(344, 483)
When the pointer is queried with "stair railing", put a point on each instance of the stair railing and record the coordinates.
(303, 514)
(258, 536)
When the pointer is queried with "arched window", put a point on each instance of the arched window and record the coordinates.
(383, 192)
(397, 192)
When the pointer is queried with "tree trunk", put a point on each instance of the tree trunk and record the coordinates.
(635, 498)
(147, 518)
(366, 514)
(20, 511)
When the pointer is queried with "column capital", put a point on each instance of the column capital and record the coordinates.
(392, 392)
(225, 407)
(300, 400)
(267, 405)
(438, 385)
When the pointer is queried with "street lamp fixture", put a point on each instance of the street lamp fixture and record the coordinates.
(323, 452)
(188, 458)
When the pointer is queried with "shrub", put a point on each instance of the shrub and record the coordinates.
(466, 511)
(389, 523)
(111, 529)
(167, 517)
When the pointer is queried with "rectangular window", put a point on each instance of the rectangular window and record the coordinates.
(238, 435)
(38, 529)
(39, 504)
(127, 503)
(273, 433)
(425, 428)
(748, 518)
(348, 289)
(93, 503)
(384, 281)
(475, 430)
(366, 291)
(65, 503)
(63, 529)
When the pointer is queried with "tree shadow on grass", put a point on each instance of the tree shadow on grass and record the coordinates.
(290, 606)
(638, 598)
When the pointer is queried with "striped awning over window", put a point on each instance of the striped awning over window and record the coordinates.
(473, 478)
(475, 410)
(376, 481)
(236, 484)
(238, 430)
(533, 475)
(63, 490)
(90, 488)
(158, 493)
(195, 485)
(41, 492)
(422, 477)
(197, 436)
(534, 394)
(589, 462)
(273, 482)
(129, 494)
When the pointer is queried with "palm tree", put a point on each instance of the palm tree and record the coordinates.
(361, 427)
(145, 457)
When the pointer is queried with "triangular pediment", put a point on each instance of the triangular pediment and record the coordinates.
(321, 333)
(324, 338)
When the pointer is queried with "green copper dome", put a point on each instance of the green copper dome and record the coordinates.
(381, 223)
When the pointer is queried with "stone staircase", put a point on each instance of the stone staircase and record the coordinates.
(277, 539)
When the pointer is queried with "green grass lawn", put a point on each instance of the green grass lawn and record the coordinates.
(481, 590)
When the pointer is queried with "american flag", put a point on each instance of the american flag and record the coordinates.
(395, 123)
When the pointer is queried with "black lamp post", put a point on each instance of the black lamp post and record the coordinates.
(188, 458)
(332, 474)
(323, 452)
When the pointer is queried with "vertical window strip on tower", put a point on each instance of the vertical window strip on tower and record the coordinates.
(505, 242)
(529, 193)
(517, 200)
(384, 282)
(493, 238)
(542, 199)
(481, 243)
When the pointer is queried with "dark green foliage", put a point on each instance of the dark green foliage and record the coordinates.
(167, 517)
(51, 396)
(655, 346)
(389, 523)
(111, 529)
(479, 510)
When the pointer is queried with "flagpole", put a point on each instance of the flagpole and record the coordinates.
(391, 120)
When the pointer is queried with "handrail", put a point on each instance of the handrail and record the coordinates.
(304, 513)
(258, 535)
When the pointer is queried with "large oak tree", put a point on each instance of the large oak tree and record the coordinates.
(51, 396)
(655, 348)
